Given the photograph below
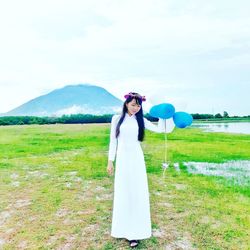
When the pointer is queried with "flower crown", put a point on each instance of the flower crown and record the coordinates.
(130, 94)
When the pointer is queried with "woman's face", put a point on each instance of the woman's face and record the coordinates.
(133, 107)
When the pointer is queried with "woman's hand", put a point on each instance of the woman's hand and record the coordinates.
(110, 168)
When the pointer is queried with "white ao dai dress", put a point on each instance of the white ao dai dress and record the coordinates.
(131, 206)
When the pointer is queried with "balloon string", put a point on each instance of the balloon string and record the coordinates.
(165, 147)
(165, 135)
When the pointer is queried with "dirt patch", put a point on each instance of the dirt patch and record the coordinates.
(104, 197)
(178, 241)
(93, 190)
(68, 184)
(216, 224)
(6, 235)
(205, 220)
(15, 183)
(68, 244)
(69, 221)
(32, 218)
(68, 241)
(62, 212)
(4, 216)
(72, 173)
(37, 174)
(182, 244)
(85, 196)
(2, 242)
(100, 188)
(75, 179)
(14, 176)
(157, 193)
(180, 186)
(87, 211)
(158, 233)
(166, 204)
(22, 245)
(22, 203)
(14, 208)
(52, 240)
(90, 229)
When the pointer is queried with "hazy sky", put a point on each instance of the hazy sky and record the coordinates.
(194, 54)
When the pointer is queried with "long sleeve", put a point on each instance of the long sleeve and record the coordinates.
(113, 139)
(160, 128)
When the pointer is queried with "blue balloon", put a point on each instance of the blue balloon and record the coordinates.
(163, 111)
(182, 119)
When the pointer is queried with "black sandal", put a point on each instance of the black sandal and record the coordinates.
(133, 243)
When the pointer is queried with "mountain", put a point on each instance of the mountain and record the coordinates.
(71, 99)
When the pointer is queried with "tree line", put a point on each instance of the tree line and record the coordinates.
(87, 118)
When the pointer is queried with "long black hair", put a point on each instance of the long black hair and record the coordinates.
(139, 116)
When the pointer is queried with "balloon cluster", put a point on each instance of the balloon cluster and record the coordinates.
(167, 111)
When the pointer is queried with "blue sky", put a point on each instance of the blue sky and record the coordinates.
(194, 54)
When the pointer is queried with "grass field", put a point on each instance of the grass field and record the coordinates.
(55, 192)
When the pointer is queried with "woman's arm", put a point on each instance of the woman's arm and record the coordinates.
(160, 128)
(113, 139)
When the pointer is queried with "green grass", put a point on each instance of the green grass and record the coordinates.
(55, 191)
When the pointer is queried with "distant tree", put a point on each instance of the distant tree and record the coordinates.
(202, 116)
(225, 114)
(218, 115)
(20, 122)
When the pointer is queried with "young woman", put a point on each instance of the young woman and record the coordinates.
(131, 207)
